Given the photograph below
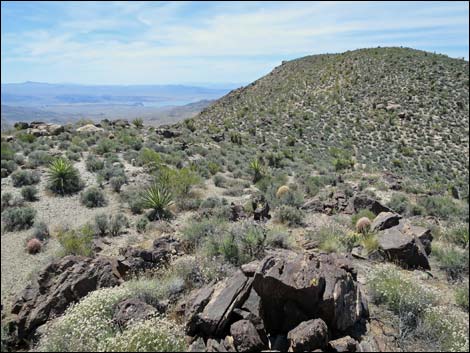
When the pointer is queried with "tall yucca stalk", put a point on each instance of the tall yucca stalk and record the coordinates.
(158, 199)
(63, 177)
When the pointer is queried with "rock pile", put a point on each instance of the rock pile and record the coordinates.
(286, 301)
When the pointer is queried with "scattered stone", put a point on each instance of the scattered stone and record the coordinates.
(218, 138)
(308, 336)
(237, 212)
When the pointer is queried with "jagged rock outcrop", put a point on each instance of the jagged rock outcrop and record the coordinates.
(39, 128)
(385, 220)
(263, 308)
(135, 310)
(361, 202)
(60, 284)
(407, 245)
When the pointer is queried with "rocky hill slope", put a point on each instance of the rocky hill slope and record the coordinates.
(394, 109)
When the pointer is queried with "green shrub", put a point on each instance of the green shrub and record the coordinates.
(141, 225)
(7, 167)
(93, 163)
(25, 137)
(461, 296)
(446, 329)
(279, 238)
(63, 178)
(458, 235)
(400, 293)
(196, 233)
(41, 231)
(453, 260)
(105, 146)
(149, 158)
(138, 122)
(24, 177)
(219, 180)
(8, 200)
(290, 215)
(178, 181)
(329, 238)
(93, 197)
(77, 242)
(101, 224)
(257, 170)
(441, 206)
(117, 223)
(38, 158)
(158, 200)
(7, 151)
(18, 218)
(135, 200)
(29, 193)
(117, 182)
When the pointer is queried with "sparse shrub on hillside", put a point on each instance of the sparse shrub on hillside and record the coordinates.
(289, 215)
(29, 193)
(451, 259)
(441, 206)
(41, 231)
(7, 151)
(24, 177)
(33, 246)
(76, 242)
(330, 238)
(279, 238)
(401, 294)
(196, 233)
(38, 158)
(461, 296)
(93, 197)
(117, 182)
(458, 235)
(63, 178)
(18, 218)
(101, 224)
(158, 200)
(117, 223)
(7, 167)
(150, 158)
(93, 163)
(105, 146)
(142, 224)
(8, 200)
(219, 180)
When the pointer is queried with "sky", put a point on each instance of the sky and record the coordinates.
(208, 43)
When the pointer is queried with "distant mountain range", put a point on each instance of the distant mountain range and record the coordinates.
(43, 94)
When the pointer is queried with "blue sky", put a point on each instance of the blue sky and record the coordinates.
(208, 42)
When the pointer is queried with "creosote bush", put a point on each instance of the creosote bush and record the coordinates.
(93, 197)
(29, 193)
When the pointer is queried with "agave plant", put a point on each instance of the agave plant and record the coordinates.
(63, 178)
(158, 199)
(257, 169)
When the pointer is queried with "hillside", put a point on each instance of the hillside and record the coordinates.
(395, 109)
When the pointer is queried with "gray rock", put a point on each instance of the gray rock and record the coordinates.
(360, 202)
(344, 344)
(133, 310)
(246, 337)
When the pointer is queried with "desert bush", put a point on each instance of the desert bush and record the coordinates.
(33, 246)
(196, 233)
(138, 122)
(8, 200)
(457, 234)
(135, 200)
(8, 167)
(452, 260)
(441, 206)
(29, 193)
(87, 326)
(279, 238)
(38, 158)
(41, 231)
(461, 296)
(7, 151)
(117, 223)
(219, 180)
(142, 224)
(150, 158)
(213, 202)
(399, 203)
(24, 177)
(330, 238)
(178, 181)
(445, 329)
(63, 178)
(117, 182)
(18, 218)
(290, 215)
(257, 170)
(76, 242)
(401, 294)
(101, 224)
(158, 200)
(93, 197)
(105, 146)
(93, 163)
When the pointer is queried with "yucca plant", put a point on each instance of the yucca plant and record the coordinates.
(158, 199)
(257, 169)
(63, 178)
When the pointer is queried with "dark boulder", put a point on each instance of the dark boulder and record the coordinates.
(385, 220)
(360, 202)
(60, 284)
(246, 337)
(308, 336)
(134, 310)
(344, 344)
(21, 125)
